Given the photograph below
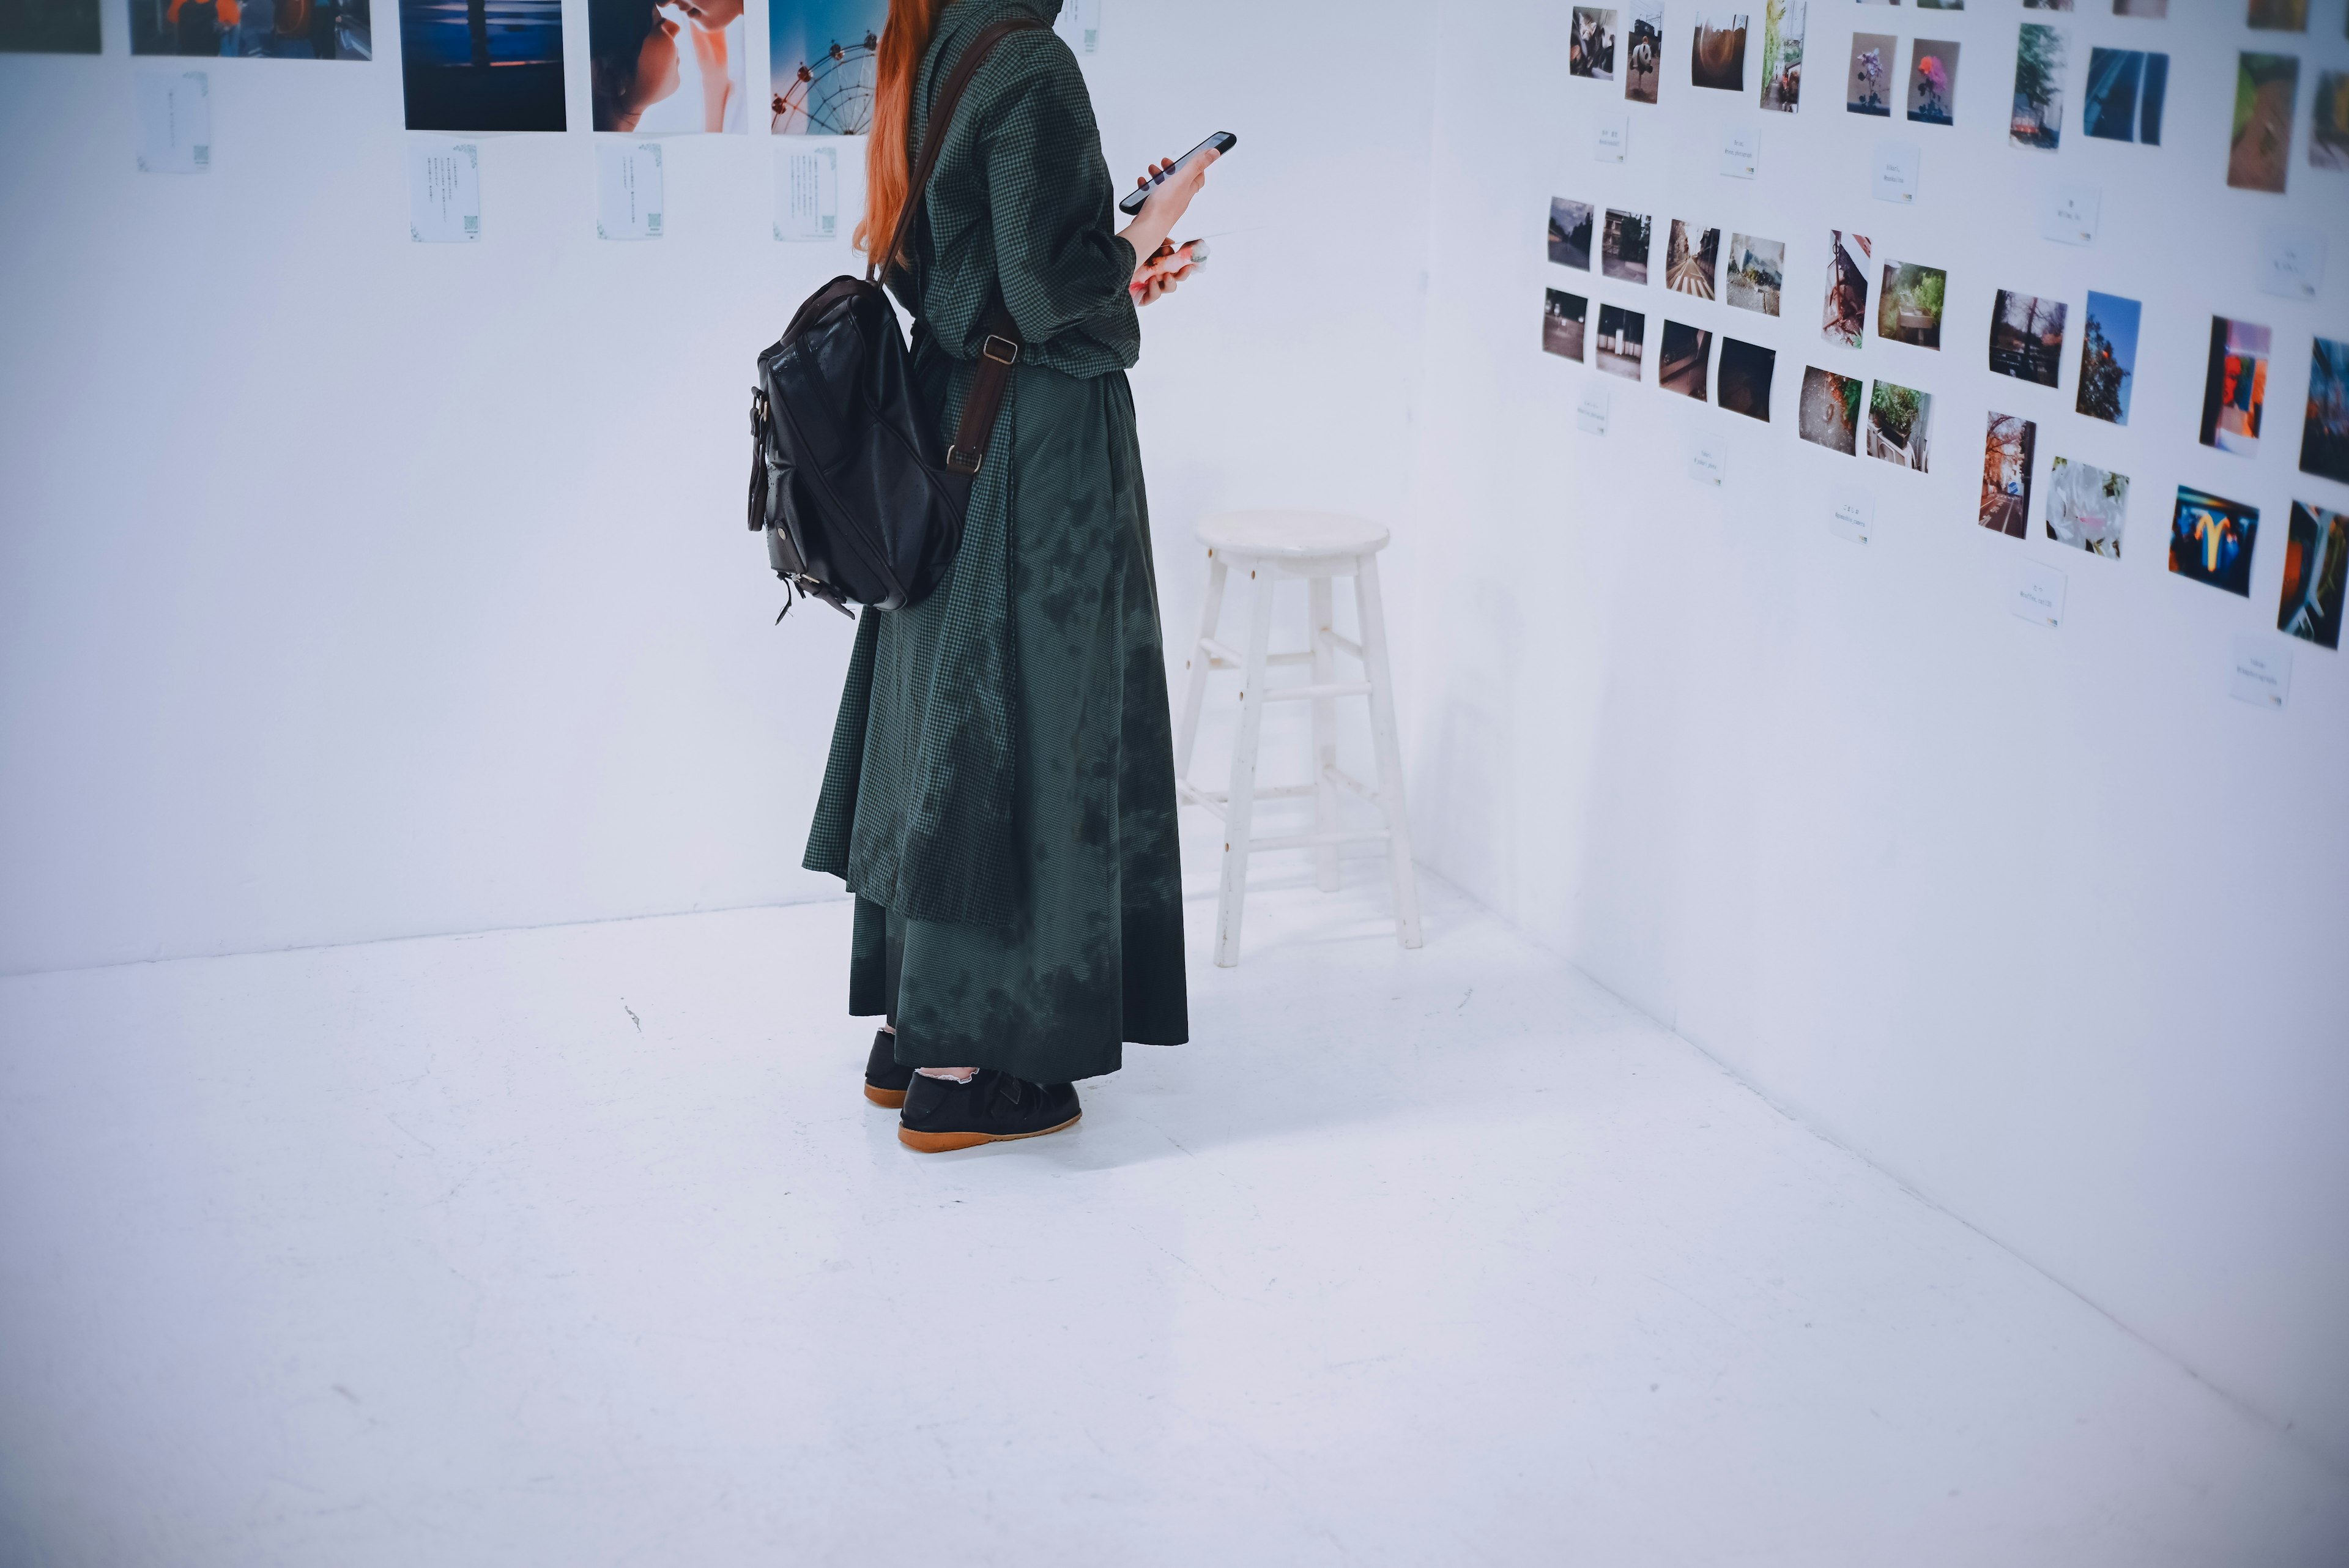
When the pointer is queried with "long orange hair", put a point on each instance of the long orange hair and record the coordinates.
(888, 158)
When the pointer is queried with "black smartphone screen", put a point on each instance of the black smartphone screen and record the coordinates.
(1222, 141)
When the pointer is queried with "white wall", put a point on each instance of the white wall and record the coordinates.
(2041, 920)
(352, 588)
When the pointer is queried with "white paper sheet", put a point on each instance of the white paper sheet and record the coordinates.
(1591, 414)
(2037, 595)
(444, 191)
(628, 190)
(1610, 135)
(1741, 153)
(2291, 263)
(807, 193)
(175, 122)
(2263, 672)
(1852, 515)
(1080, 24)
(1708, 460)
(1896, 167)
(2070, 213)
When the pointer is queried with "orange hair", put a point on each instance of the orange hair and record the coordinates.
(889, 158)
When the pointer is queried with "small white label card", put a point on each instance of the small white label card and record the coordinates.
(1610, 135)
(2069, 216)
(628, 184)
(2262, 673)
(1741, 152)
(1853, 515)
(175, 122)
(2038, 594)
(2291, 263)
(1080, 24)
(1896, 171)
(807, 193)
(1708, 461)
(1591, 414)
(444, 191)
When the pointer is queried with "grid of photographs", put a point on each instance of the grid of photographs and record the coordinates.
(2210, 540)
(2086, 507)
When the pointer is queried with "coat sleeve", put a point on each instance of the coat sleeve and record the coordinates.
(1065, 269)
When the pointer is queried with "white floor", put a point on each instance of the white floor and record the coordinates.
(580, 1247)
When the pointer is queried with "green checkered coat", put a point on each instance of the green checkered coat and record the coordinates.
(1000, 795)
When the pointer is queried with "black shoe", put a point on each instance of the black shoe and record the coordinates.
(993, 1108)
(885, 1081)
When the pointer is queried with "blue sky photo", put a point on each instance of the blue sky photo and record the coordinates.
(2118, 319)
(799, 30)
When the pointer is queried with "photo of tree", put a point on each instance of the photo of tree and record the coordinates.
(1783, 24)
(1717, 59)
(1757, 271)
(49, 26)
(486, 65)
(1746, 369)
(2278, 15)
(2210, 540)
(1689, 259)
(2026, 337)
(1909, 307)
(2315, 564)
(1898, 419)
(2127, 90)
(2108, 357)
(1623, 251)
(2325, 437)
(2041, 56)
(1932, 80)
(2267, 86)
(1621, 346)
(2235, 386)
(1828, 413)
(2007, 448)
(1845, 318)
(2328, 136)
(1643, 51)
(1570, 233)
(1591, 52)
(1687, 357)
(2086, 507)
(1870, 73)
(1563, 317)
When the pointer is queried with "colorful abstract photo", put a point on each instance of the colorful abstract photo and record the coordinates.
(2235, 388)
(2127, 90)
(2324, 436)
(2210, 540)
(2086, 507)
(1932, 80)
(2315, 561)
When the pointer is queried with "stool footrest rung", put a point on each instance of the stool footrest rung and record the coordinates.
(1318, 693)
(1347, 781)
(1223, 655)
(1343, 644)
(1317, 840)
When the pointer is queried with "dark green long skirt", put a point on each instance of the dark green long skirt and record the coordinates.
(1093, 955)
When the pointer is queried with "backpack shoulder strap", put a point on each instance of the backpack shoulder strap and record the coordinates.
(942, 113)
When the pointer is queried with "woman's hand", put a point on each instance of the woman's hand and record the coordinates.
(1148, 231)
(1159, 275)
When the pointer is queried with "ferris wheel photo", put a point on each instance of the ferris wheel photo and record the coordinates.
(820, 54)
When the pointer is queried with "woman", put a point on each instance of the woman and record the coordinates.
(1000, 795)
(632, 61)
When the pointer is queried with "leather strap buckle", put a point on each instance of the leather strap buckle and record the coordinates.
(963, 459)
(1010, 355)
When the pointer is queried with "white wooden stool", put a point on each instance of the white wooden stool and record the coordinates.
(1316, 546)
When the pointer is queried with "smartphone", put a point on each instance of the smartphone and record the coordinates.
(1222, 141)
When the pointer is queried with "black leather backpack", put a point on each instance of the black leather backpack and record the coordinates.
(857, 503)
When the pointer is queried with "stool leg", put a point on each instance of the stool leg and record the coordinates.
(1325, 736)
(1372, 609)
(1186, 733)
(1239, 805)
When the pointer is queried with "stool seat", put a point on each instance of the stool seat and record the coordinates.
(1289, 534)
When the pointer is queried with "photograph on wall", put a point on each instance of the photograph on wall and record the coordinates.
(1717, 57)
(2041, 55)
(1570, 233)
(2267, 86)
(1686, 357)
(1746, 369)
(2007, 448)
(2210, 540)
(1940, 5)
(2086, 507)
(488, 64)
(1869, 75)
(2123, 101)
(2235, 386)
(1564, 316)
(254, 29)
(1623, 249)
(2278, 15)
(820, 66)
(650, 72)
(1620, 345)
(1909, 307)
(1643, 51)
(1844, 319)
(1783, 25)
(2026, 337)
(1828, 413)
(2108, 357)
(1900, 420)
(1591, 52)
(1689, 259)
(2325, 437)
(2315, 563)
(2153, 8)
(2047, 5)
(2328, 134)
(50, 27)
(1757, 271)
(1932, 80)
